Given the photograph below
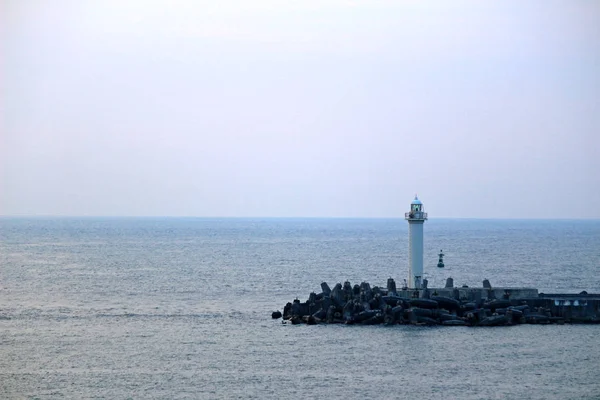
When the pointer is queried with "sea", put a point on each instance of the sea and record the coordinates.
(180, 308)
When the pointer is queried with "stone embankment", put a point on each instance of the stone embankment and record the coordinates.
(361, 304)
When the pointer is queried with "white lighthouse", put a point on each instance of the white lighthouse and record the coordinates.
(416, 217)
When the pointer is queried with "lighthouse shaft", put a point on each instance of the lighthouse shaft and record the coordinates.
(415, 254)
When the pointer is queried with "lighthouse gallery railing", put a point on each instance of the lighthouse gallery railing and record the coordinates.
(415, 215)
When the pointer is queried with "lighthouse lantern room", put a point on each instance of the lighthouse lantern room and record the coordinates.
(416, 217)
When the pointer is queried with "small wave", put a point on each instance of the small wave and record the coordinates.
(161, 316)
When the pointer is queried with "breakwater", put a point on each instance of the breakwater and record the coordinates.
(448, 306)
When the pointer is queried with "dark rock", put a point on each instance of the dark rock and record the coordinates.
(348, 312)
(515, 312)
(392, 300)
(447, 317)
(366, 306)
(287, 311)
(471, 317)
(330, 314)
(382, 304)
(514, 316)
(300, 309)
(422, 312)
(296, 309)
(426, 321)
(337, 295)
(494, 320)
(347, 289)
(397, 310)
(366, 291)
(391, 287)
(374, 320)
(276, 315)
(389, 319)
(377, 291)
(494, 304)
(309, 319)
(423, 303)
(326, 303)
(523, 308)
(362, 316)
(446, 302)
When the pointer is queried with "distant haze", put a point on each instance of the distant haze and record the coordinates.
(300, 108)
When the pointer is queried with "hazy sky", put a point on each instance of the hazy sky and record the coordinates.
(300, 108)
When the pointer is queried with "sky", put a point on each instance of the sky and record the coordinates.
(270, 108)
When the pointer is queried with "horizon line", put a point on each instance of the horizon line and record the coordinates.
(284, 217)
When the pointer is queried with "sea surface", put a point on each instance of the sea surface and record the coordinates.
(177, 308)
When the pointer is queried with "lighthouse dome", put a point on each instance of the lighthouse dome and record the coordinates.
(416, 201)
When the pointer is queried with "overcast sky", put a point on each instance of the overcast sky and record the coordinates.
(486, 109)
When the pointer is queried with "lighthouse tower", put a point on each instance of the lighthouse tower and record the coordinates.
(416, 217)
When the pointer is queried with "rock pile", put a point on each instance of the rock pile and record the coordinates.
(361, 304)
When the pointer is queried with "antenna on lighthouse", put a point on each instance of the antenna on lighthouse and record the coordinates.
(416, 217)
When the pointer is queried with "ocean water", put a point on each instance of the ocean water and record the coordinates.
(175, 308)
